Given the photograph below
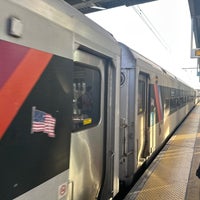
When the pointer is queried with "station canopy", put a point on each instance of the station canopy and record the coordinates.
(88, 6)
(195, 15)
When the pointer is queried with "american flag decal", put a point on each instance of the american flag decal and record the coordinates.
(43, 122)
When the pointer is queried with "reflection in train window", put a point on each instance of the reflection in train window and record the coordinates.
(141, 96)
(86, 97)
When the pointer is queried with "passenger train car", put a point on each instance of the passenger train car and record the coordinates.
(153, 103)
(65, 132)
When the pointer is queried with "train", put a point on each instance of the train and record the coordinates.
(80, 112)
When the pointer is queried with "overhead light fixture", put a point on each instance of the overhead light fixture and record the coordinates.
(94, 6)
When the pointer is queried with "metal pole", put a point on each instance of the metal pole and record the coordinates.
(191, 47)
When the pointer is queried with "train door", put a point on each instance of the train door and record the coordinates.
(87, 140)
(142, 140)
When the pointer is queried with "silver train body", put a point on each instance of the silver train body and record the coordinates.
(153, 103)
(71, 127)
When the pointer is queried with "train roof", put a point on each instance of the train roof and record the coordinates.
(131, 56)
(66, 17)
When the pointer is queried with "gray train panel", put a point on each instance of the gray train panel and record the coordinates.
(34, 35)
(127, 114)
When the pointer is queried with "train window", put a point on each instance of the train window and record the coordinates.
(141, 96)
(173, 105)
(167, 106)
(86, 97)
(173, 92)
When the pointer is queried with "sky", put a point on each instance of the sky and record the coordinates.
(169, 46)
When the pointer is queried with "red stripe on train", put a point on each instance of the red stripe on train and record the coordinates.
(10, 56)
(16, 89)
(158, 103)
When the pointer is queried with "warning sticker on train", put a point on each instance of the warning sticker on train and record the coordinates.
(87, 121)
(62, 191)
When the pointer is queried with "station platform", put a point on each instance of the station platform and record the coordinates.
(172, 175)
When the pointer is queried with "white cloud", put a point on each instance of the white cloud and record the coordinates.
(172, 20)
